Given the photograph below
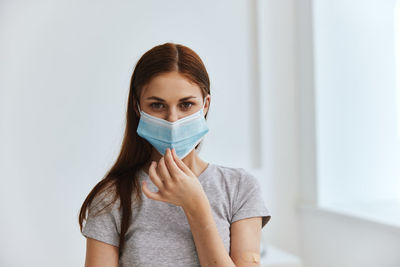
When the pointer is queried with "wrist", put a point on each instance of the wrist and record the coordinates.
(196, 206)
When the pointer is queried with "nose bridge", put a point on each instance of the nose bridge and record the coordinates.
(172, 114)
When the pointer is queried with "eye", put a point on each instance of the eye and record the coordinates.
(156, 105)
(186, 105)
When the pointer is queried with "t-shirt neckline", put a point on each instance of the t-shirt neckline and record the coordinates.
(200, 177)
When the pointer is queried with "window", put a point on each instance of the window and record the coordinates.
(357, 85)
(397, 34)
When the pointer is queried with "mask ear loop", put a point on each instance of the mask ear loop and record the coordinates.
(200, 145)
(204, 103)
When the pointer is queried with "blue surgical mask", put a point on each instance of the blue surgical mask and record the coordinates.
(183, 134)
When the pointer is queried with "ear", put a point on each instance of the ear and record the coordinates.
(207, 104)
(135, 108)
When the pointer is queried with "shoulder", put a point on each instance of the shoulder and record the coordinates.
(105, 200)
(235, 175)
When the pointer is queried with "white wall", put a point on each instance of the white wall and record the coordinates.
(279, 109)
(334, 240)
(64, 75)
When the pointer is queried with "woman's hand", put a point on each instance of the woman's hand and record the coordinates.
(176, 183)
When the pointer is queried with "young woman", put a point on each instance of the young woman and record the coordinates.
(160, 204)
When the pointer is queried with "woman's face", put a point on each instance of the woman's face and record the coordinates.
(171, 96)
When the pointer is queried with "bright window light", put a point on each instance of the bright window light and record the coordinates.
(397, 34)
(357, 88)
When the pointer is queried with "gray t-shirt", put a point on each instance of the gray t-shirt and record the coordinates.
(159, 233)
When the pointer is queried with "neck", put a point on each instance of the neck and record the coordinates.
(192, 160)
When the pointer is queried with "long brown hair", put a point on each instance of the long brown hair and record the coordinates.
(136, 151)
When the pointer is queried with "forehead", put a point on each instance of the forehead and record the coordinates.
(171, 85)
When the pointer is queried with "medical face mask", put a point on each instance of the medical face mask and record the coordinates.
(183, 134)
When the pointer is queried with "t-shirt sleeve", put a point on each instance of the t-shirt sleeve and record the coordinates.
(103, 224)
(249, 201)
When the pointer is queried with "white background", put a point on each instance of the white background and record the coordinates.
(65, 68)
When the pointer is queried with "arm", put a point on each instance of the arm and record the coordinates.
(100, 254)
(179, 186)
(245, 239)
(209, 245)
(245, 242)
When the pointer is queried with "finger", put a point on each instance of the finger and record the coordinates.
(180, 163)
(150, 194)
(154, 176)
(162, 171)
(174, 170)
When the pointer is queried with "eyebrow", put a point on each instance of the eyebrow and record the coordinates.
(162, 100)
